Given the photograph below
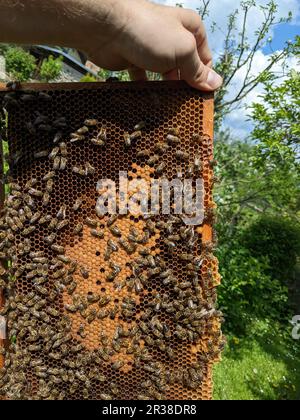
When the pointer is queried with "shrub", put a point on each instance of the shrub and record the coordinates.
(88, 78)
(278, 241)
(19, 63)
(247, 292)
(51, 68)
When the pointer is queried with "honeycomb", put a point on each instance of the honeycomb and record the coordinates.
(89, 318)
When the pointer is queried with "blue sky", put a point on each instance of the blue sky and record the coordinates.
(238, 120)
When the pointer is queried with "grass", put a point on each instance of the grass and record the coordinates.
(263, 366)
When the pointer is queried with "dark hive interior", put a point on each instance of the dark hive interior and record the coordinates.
(106, 307)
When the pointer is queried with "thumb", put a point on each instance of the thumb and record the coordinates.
(197, 74)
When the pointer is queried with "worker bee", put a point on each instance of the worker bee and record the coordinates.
(97, 234)
(45, 219)
(128, 247)
(172, 139)
(181, 155)
(91, 122)
(77, 205)
(84, 272)
(58, 248)
(50, 238)
(79, 171)
(118, 364)
(28, 231)
(143, 153)
(112, 219)
(115, 231)
(62, 224)
(83, 130)
(46, 199)
(41, 154)
(91, 222)
(58, 136)
(63, 163)
(62, 212)
(76, 137)
(127, 139)
(175, 131)
(139, 126)
(160, 168)
(54, 153)
(135, 135)
(89, 169)
(104, 300)
(103, 313)
(153, 160)
(92, 316)
(97, 142)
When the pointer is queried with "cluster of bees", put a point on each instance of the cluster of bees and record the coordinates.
(40, 337)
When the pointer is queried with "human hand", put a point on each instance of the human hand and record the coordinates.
(145, 36)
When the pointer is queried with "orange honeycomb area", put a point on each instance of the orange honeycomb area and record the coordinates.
(106, 307)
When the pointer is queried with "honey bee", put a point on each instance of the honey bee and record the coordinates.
(127, 139)
(105, 397)
(172, 139)
(115, 231)
(28, 231)
(45, 219)
(78, 229)
(91, 122)
(72, 287)
(63, 163)
(153, 160)
(79, 171)
(77, 205)
(97, 234)
(92, 316)
(91, 222)
(181, 155)
(89, 169)
(139, 126)
(113, 218)
(102, 135)
(76, 137)
(84, 272)
(83, 130)
(103, 313)
(58, 248)
(62, 224)
(54, 152)
(104, 300)
(128, 247)
(118, 364)
(97, 142)
(160, 168)
(143, 153)
(50, 238)
(46, 199)
(57, 137)
(41, 154)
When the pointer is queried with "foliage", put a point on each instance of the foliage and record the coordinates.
(240, 49)
(19, 63)
(247, 290)
(277, 118)
(51, 68)
(88, 78)
(276, 240)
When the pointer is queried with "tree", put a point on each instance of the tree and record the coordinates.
(238, 53)
(277, 118)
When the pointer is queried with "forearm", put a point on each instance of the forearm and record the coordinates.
(59, 22)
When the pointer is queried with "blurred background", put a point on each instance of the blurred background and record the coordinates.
(256, 46)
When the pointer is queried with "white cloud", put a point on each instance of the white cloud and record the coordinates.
(219, 11)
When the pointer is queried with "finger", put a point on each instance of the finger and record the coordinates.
(171, 75)
(137, 74)
(193, 23)
(195, 72)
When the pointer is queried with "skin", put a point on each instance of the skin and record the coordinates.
(117, 34)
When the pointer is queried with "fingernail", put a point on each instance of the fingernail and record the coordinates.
(214, 80)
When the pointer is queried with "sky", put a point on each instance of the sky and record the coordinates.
(238, 120)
